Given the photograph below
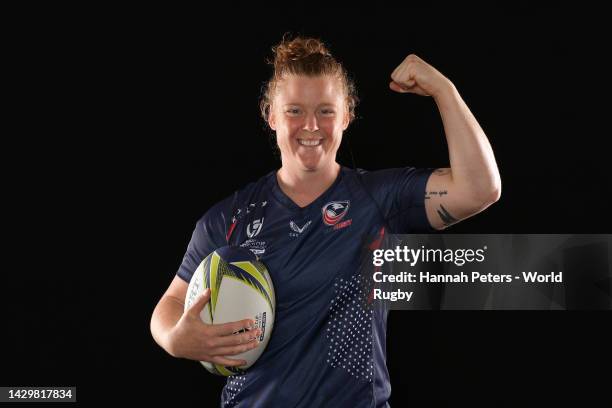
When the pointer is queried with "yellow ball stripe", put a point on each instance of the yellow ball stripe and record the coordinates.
(215, 280)
(250, 268)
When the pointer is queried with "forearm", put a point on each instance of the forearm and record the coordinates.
(472, 161)
(165, 316)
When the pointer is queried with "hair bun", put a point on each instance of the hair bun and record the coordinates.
(298, 48)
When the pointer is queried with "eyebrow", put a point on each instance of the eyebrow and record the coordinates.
(299, 104)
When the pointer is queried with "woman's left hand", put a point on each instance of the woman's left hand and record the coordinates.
(416, 76)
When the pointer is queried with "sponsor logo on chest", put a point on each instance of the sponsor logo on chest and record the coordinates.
(296, 230)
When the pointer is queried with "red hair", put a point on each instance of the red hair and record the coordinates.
(309, 57)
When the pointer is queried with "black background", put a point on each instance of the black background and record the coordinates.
(131, 123)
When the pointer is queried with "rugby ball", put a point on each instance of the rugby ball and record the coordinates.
(241, 288)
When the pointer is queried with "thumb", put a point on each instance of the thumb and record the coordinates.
(400, 88)
(199, 303)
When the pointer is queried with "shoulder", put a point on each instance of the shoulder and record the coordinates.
(232, 204)
(255, 188)
(385, 179)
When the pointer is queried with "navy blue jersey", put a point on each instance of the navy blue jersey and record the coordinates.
(327, 347)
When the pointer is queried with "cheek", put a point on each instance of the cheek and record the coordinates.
(285, 131)
(291, 127)
(332, 127)
(328, 126)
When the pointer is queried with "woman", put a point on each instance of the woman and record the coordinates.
(308, 222)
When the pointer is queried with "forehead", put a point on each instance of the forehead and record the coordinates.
(316, 90)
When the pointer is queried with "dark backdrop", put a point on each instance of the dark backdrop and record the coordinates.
(145, 118)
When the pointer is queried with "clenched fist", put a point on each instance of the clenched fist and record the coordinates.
(416, 76)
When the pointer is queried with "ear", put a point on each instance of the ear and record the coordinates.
(272, 118)
(346, 120)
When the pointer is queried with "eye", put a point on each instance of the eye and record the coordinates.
(328, 111)
(293, 111)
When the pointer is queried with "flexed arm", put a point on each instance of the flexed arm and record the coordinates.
(472, 182)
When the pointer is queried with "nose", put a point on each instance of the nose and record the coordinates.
(311, 123)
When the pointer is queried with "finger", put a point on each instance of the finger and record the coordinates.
(227, 361)
(237, 339)
(225, 329)
(400, 72)
(413, 57)
(408, 84)
(404, 77)
(395, 71)
(199, 304)
(234, 339)
(233, 350)
(395, 77)
(397, 87)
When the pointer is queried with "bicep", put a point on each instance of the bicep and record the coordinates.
(446, 203)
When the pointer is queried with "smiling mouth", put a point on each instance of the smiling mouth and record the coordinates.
(309, 143)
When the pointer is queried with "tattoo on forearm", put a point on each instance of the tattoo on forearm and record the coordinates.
(447, 218)
(441, 193)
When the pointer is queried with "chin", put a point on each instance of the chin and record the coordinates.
(312, 163)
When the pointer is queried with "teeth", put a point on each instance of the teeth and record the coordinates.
(309, 142)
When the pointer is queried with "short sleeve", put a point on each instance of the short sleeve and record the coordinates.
(400, 193)
(208, 235)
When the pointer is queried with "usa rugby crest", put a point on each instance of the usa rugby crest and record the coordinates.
(334, 211)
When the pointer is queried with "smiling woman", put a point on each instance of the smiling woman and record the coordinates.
(309, 102)
(309, 116)
(310, 223)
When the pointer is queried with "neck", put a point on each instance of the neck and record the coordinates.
(307, 183)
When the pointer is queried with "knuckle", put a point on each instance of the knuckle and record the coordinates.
(209, 343)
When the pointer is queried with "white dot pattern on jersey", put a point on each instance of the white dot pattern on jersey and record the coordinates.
(233, 387)
(349, 328)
